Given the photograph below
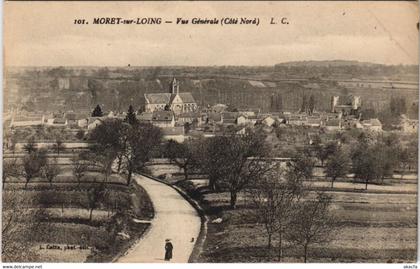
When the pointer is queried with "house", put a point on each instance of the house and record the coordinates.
(372, 125)
(174, 133)
(163, 118)
(245, 119)
(241, 131)
(24, 121)
(145, 117)
(214, 118)
(218, 108)
(352, 124)
(348, 105)
(333, 125)
(92, 122)
(313, 122)
(73, 118)
(242, 120)
(229, 118)
(190, 118)
(408, 125)
(268, 121)
(174, 100)
(297, 120)
(60, 122)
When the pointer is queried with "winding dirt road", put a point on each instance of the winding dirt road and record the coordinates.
(174, 218)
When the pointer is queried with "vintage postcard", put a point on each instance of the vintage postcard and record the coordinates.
(210, 132)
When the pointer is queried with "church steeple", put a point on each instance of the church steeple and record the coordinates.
(174, 86)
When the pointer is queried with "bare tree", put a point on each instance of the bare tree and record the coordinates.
(10, 169)
(51, 170)
(312, 223)
(275, 196)
(58, 145)
(30, 146)
(79, 168)
(15, 247)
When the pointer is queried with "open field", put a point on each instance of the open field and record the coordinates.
(55, 215)
(377, 225)
(371, 228)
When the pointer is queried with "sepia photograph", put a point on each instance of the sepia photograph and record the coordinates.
(210, 132)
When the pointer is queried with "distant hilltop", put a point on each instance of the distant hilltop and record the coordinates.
(327, 63)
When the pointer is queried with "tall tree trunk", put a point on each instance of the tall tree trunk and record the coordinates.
(212, 184)
(26, 183)
(366, 183)
(129, 178)
(233, 197)
(280, 245)
(90, 214)
(119, 163)
(332, 183)
(185, 172)
(305, 252)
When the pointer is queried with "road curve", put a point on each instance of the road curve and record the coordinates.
(174, 218)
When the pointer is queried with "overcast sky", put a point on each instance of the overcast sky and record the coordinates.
(43, 33)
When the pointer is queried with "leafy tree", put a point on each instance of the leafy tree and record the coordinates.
(311, 104)
(302, 165)
(51, 170)
(110, 142)
(133, 145)
(304, 106)
(80, 134)
(312, 223)
(142, 140)
(33, 164)
(131, 116)
(338, 165)
(365, 164)
(96, 194)
(183, 155)
(235, 161)
(97, 112)
(325, 151)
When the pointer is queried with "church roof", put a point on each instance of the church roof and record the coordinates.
(167, 98)
(186, 97)
(157, 98)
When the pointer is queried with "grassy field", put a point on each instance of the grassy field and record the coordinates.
(377, 225)
(371, 228)
(57, 215)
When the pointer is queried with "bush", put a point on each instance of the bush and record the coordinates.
(190, 189)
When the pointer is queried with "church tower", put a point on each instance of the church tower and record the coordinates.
(174, 86)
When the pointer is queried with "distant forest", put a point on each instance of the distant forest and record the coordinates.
(282, 87)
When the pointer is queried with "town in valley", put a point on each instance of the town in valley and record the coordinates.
(308, 161)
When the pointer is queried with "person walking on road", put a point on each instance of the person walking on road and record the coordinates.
(168, 250)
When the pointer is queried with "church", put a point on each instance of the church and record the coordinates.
(178, 102)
